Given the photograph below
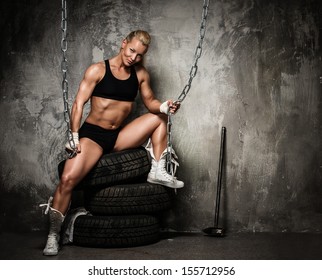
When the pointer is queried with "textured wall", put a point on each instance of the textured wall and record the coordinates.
(258, 76)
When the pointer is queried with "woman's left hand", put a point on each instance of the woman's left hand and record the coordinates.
(173, 106)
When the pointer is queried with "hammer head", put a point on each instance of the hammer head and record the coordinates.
(216, 232)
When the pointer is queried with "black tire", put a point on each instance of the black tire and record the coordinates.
(120, 167)
(144, 198)
(115, 231)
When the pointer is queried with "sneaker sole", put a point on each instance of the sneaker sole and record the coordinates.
(50, 253)
(166, 184)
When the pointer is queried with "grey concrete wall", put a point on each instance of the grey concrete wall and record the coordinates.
(258, 76)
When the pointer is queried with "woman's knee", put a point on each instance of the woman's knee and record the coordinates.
(67, 183)
(163, 117)
(159, 119)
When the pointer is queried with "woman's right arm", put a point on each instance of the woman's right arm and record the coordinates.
(92, 76)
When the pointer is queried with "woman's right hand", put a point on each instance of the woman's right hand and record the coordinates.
(73, 150)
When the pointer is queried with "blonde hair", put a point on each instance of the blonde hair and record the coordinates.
(141, 35)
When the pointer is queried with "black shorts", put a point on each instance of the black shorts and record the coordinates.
(106, 138)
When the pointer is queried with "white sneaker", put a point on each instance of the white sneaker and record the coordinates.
(159, 175)
(52, 245)
(56, 219)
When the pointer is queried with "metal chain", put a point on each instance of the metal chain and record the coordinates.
(64, 69)
(198, 51)
(187, 87)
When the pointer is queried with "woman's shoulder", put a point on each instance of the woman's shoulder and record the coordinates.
(96, 70)
(141, 72)
(98, 66)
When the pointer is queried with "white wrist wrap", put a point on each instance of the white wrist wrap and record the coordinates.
(76, 138)
(76, 141)
(164, 108)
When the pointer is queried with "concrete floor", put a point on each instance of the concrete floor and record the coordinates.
(176, 246)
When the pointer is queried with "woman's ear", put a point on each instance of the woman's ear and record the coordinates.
(124, 42)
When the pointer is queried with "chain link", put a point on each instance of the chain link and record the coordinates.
(186, 89)
(64, 69)
(198, 51)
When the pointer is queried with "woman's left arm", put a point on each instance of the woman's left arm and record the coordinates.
(149, 100)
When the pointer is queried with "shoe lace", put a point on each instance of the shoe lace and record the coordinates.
(47, 205)
(167, 176)
(171, 162)
(171, 177)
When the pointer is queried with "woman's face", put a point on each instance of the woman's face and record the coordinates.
(133, 51)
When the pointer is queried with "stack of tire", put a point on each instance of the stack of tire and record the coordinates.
(124, 208)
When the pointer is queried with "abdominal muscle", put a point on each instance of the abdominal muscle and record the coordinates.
(108, 113)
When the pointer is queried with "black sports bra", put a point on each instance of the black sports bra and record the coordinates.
(112, 88)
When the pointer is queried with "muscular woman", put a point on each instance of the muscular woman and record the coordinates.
(111, 86)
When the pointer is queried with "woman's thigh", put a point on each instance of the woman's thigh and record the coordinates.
(78, 167)
(138, 131)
